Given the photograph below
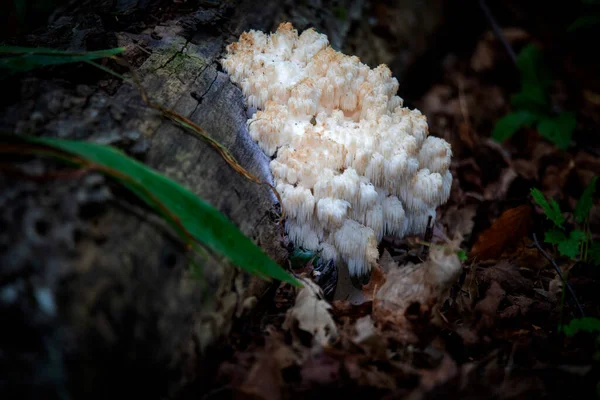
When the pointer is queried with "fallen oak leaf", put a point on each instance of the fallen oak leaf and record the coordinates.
(311, 314)
(506, 231)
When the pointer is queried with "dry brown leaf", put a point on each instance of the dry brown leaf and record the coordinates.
(311, 314)
(526, 169)
(378, 277)
(507, 275)
(489, 48)
(506, 231)
(592, 97)
(365, 329)
(499, 188)
(469, 291)
(386, 262)
(365, 335)
(467, 135)
(424, 283)
(264, 381)
(343, 308)
(321, 369)
(436, 377)
(488, 307)
(458, 219)
(368, 375)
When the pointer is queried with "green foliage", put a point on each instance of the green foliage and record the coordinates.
(592, 17)
(569, 246)
(535, 80)
(552, 210)
(594, 253)
(555, 237)
(587, 324)
(21, 59)
(508, 125)
(188, 214)
(577, 241)
(584, 21)
(584, 205)
(558, 129)
(301, 257)
(532, 105)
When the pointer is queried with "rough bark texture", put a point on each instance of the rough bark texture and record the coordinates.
(95, 291)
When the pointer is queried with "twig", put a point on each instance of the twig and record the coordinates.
(537, 245)
(498, 31)
(428, 237)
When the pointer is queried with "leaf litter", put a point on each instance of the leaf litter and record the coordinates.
(489, 326)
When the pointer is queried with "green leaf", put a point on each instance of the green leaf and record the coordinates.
(531, 97)
(555, 236)
(570, 247)
(558, 130)
(535, 79)
(587, 324)
(594, 253)
(509, 124)
(584, 22)
(203, 221)
(462, 255)
(301, 257)
(22, 59)
(530, 62)
(584, 205)
(552, 210)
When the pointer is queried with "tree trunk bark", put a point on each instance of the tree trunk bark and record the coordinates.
(96, 294)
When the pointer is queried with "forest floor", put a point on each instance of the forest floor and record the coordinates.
(508, 327)
(503, 329)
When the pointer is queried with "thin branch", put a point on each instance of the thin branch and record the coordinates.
(428, 237)
(548, 257)
(498, 31)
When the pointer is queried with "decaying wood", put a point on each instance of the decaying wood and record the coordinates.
(95, 291)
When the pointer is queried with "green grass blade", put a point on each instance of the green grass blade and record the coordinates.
(22, 59)
(203, 221)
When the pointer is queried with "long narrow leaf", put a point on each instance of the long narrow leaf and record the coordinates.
(203, 221)
(21, 59)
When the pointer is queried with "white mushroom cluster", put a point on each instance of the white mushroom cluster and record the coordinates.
(350, 162)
